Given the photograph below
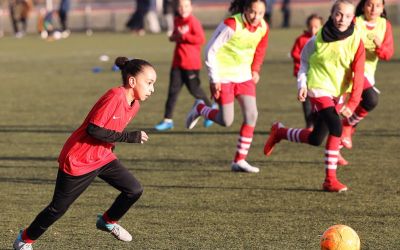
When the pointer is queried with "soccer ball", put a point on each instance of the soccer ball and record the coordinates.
(340, 237)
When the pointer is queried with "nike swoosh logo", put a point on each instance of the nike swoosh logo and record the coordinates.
(116, 117)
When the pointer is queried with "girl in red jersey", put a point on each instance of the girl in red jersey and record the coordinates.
(377, 35)
(189, 37)
(314, 23)
(332, 64)
(88, 153)
(234, 56)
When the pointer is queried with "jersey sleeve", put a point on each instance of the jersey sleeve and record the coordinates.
(221, 36)
(386, 50)
(104, 109)
(260, 53)
(296, 51)
(358, 78)
(306, 52)
(196, 35)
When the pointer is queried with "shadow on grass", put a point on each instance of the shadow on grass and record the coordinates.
(187, 165)
(98, 182)
(67, 130)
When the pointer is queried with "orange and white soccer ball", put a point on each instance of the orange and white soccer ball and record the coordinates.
(340, 237)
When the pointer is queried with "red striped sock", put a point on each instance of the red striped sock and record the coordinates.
(26, 238)
(244, 142)
(331, 157)
(357, 116)
(207, 112)
(297, 135)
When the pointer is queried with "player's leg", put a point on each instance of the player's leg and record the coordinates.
(122, 179)
(222, 116)
(68, 188)
(334, 124)
(369, 101)
(250, 113)
(309, 115)
(175, 86)
(192, 80)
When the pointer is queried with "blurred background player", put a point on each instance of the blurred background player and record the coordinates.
(88, 153)
(234, 56)
(63, 10)
(136, 21)
(189, 36)
(19, 13)
(314, 23)
(332, 64)
(376, 33)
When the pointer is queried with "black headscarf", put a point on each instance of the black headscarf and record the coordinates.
(331, 34)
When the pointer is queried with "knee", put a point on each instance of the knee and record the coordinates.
(227, 122)
(251, 118)
(370, 103)
(316, 138)
(135, 192)
(315, 141)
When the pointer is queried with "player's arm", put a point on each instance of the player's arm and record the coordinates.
(110, 136)
(306, 52)
(386, 49)
(296, 50)
(222, 35)
(259, 56)
(358, 78)
(196, 36)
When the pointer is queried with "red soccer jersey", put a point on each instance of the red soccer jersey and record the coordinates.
(82, 153)
(297, 48)
(187, 54)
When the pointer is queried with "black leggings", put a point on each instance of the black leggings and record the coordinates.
(327, 122)
(69, 188)
(179, 77)
(369, 99)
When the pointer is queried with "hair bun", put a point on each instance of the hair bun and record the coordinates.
(121, 62)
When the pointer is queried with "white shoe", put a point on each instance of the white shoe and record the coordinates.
(116, 230)
(193, 116)
(19, 244)
(65, 33)
(244, 166)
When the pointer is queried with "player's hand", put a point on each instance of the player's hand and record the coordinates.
(346, 112)
(302, 94)
(377, 42)
(145, 137)
(175, 37)
(255, 76)
(215, 89)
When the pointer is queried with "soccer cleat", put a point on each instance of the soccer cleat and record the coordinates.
(20, 244)
(346, 136)
(207, 123)
(193, 116)
(244, 166)
(342, 161)
(116, 230)
(273, 138)
(334, 186)
(164, 125)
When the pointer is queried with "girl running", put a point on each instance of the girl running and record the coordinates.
(189, 38)
(376, 33)
(234, 56)
(314, 23)
(332, 63)
(88, 153)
